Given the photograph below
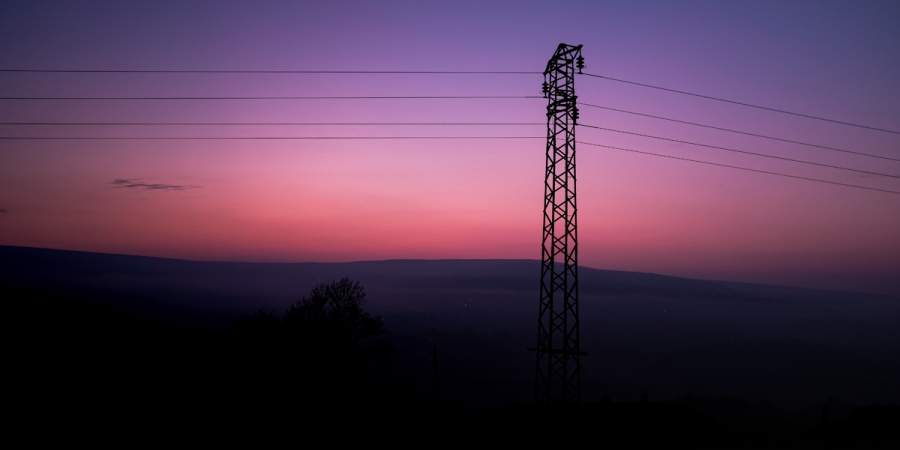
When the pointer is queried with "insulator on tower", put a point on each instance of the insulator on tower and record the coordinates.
(580, 64)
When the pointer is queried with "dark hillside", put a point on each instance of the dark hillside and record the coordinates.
(666, 335)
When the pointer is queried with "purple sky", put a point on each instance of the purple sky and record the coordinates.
(361, 200)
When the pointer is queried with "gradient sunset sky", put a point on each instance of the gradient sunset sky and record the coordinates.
(345, 200)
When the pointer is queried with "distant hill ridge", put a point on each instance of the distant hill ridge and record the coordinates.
(58, 265)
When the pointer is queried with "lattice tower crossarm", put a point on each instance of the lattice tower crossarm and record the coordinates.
(558, 364)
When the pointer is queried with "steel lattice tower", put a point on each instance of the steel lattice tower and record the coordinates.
(558, 366)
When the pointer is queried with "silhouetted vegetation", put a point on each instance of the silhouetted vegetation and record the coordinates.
(331, 327)
(325, 350)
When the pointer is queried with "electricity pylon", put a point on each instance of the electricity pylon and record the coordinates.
(558, 366)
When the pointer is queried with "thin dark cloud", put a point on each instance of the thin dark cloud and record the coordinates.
(3, 210)
(137, 183)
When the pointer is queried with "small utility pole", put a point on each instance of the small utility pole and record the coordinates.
(558, 365)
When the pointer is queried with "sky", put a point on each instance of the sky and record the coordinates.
(351, 200)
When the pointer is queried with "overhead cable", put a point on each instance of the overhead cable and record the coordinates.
(386, 72)
(740, 132)
(766, 108)
(740, 168)
(275, 123)
(324, 97)
(762, 155)
(249, 138)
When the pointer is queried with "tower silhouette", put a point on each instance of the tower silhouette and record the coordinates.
(558, 364)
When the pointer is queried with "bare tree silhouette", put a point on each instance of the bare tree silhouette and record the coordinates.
(331, 327)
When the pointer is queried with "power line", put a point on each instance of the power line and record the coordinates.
(743, 104)
(253, 138)
(275, 123)
(332, 97)
(386, 72)
(744, 152)
(739, 132)
(741, 168)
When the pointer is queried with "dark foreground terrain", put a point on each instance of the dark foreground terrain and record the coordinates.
(105, 345)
